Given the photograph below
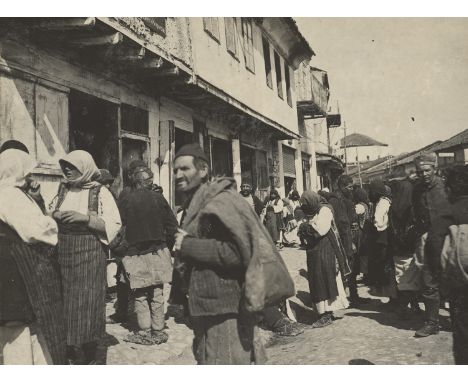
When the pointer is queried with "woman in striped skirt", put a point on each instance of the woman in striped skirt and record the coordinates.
(326, 259)
(88, 218)
(31, 320)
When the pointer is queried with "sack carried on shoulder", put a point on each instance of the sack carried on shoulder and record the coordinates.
(267, 280)
(454, 257)
(153, 268)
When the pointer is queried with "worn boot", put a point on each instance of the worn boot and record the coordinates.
(286, 327)
(429, 328)
(325, 319)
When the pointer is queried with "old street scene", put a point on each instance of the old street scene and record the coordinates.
(233, 191)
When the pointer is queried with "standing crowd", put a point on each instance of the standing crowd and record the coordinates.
(220, 254)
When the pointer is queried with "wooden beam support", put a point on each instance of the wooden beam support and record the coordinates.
(173, 72)
(64, 23)
(151, 63)
(111, 39)
(127, 53)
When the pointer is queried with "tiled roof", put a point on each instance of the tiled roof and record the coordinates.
(356, 140)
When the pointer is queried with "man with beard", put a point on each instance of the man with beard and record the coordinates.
(430, 201)
(212, 252)
(346, 221)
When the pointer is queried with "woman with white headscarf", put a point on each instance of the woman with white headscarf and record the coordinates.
(88, 218)
(31, 315)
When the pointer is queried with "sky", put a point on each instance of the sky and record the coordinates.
(402, 81)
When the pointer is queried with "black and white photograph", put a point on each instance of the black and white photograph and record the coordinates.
(233, 190)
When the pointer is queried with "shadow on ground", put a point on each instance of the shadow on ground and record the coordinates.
(106, 342)
(388, 318)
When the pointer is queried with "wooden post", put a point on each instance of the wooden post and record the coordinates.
(236, 161)
(345, 151)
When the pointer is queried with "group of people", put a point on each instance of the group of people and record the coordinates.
(398, 234)
(53, 257)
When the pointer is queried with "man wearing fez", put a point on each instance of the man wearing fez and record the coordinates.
(211, 250)
(430, 201)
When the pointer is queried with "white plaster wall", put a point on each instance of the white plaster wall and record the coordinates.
(214, 64)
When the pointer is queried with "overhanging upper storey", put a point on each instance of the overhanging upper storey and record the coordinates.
(288, 39)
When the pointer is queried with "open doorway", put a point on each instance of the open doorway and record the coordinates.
(94, 128)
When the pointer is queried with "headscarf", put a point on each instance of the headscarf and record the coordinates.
(378, 189)
(85, 164)
(14, 166)
(360, 195)
(12, 144)
(311, 202)
(294, 195)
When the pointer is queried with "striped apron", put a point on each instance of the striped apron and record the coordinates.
(82, 260)
(38, 269)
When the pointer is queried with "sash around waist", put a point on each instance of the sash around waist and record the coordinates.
(74, 229)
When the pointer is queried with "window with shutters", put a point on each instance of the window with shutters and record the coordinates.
(230, 26)
(267, 59)
(279, 78)
(247, 37)
(211, 26)
(289, 163)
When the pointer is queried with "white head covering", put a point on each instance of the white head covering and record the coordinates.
(14, 166)
(85, 164)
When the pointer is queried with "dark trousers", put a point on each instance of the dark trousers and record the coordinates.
(431, 294)
(352, 284)
(459, 318)
(223, 340)
(123, 293)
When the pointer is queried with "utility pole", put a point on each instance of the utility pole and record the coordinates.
(345, 153)
(358, 167)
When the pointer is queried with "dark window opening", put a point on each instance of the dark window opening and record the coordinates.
(94, 128)
(279, 78)
(267, 58)
(134, 120)
(288, 85)
(247, 156)
(262, 169)
(221, 157)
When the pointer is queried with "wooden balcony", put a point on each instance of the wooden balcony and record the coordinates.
(312, 95)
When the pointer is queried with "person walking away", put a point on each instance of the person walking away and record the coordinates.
(150, 226)
(347, 223)
(87, 218)
(381, 268)
(452, 285)
(430, 200)
(213, 251)
(403, 244)
(32, 330)
(326, 260)
(363, 212)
